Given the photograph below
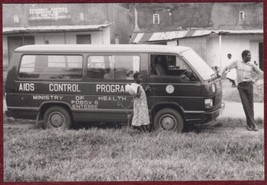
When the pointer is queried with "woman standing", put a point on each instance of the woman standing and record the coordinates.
(140, 109)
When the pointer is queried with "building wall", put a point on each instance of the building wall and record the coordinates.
(226, 16)
(175, 16)
(121, 26)
(233, 44)
(236, 44)
(199, 44)
(209, 47)
(5, 52)
(213, 51)
(99, 37)
(75, 14)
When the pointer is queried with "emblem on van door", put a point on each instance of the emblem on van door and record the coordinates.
(169, 89)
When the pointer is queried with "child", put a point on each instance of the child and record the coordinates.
(140, 109)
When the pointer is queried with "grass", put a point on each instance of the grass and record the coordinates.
(224, 151)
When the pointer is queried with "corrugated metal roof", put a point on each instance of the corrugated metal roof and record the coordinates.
(8, 30)
(171, 35)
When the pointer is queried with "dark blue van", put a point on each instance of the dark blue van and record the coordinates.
(64, 84)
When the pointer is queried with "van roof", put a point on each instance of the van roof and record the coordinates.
(53, 48)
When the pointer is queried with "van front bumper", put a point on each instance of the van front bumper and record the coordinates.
(211, 115)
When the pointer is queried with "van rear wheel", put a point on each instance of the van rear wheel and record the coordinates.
(169, 120)
(57, 117)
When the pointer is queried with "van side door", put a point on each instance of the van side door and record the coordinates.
(106, 77)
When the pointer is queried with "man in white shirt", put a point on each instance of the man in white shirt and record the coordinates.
(245, 85)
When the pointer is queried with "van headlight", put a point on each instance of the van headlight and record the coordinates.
(208, 103)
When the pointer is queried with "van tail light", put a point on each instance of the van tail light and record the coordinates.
(208, 103)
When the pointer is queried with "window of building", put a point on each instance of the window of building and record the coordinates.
(241, 16)
(51, 67)
(119, 67)
(156, 19)
(83, 39)
(16, 19)
(81, 16)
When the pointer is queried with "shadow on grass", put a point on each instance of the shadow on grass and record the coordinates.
(220, 124)
(195, 128)
(100, 125)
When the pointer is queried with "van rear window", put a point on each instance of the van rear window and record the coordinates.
(51, 66)
(118, 67)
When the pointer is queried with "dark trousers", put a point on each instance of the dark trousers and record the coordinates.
(246, 94)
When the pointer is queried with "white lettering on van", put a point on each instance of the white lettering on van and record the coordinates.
(47, 97)
(26, 87)
(64, 88)
(80, 102)
(110, 88)
(112, 98)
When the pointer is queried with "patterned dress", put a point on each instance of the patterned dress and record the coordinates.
(140, 110)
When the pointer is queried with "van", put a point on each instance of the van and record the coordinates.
(64, 84)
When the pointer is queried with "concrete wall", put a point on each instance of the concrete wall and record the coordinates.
(198, 44)
(5, 53)
(226, 15)
(78, 14)
(209, 47)
(198, 15)
(236, 44)
(173, 15)
(99, 37)
(233, 44)
(213, 51)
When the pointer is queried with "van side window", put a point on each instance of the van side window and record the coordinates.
(118, 67)
(98, 66)
(51, 67)
(170, 65)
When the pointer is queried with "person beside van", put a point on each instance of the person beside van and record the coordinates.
(244, 69)
(140, 108)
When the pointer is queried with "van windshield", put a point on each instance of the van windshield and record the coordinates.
(199, 64)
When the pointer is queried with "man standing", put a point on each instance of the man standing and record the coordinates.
(245, 85)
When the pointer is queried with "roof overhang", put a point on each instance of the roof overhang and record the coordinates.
(46, 29)
(173, 35)
(240, 32)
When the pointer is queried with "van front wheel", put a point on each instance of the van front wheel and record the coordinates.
(168, 119)
(57, 117)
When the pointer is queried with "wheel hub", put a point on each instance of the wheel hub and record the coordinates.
(168, 122)
(57, 119)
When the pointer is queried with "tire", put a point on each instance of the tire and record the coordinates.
(57, 117)
(168, 119)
